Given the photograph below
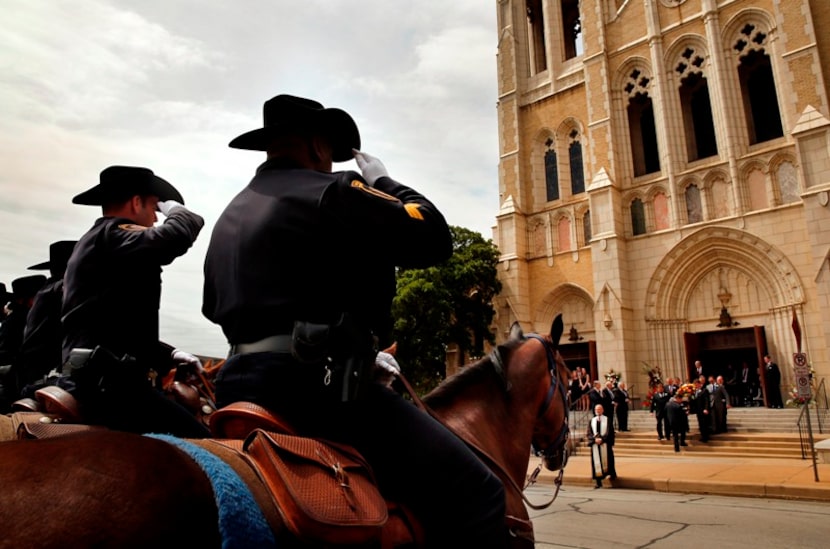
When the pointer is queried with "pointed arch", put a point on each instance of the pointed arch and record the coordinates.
(573, 301)
(697, 255)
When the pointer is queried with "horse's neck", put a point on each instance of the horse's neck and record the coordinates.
(486, 423)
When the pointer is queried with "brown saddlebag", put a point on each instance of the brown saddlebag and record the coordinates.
(325, 492)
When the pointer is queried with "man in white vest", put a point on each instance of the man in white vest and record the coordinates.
(601, 442)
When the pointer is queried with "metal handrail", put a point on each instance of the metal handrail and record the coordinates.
(805, 427)
(578, 422)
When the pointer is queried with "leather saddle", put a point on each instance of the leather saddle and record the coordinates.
(54, 412)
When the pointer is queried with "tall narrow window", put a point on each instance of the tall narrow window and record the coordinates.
(586, 228)
(763, 117)
(643, 135)
(696, 106)
(551, 172)
(575, 158)
(638, 217)
(571, 28)
(641, 129)
(536, 37)
(694, 209)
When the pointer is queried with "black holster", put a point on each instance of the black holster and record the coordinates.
(95, 370)
(344, 348)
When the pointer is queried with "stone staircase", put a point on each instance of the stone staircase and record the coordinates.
(752, 432)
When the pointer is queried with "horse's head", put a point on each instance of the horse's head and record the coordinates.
(550, 429)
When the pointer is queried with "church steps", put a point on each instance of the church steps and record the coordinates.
(753, 432)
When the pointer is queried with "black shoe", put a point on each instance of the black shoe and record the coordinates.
(613, 477)
(597, 486)
(676, 449)
(659, 438)
(683, 444)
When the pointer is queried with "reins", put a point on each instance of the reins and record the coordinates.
(497, 362)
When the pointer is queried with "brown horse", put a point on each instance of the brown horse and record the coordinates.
(110, 489)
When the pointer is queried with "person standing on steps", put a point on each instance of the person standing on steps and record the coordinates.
(622, 402)
(601, 442)
(772, 378)
(678, 421)
(658, 411)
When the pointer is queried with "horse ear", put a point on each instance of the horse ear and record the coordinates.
(516, 331)
(556, 329)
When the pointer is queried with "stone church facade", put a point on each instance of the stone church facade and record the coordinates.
(664, 181)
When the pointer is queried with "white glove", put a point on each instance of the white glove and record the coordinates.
(387, 362)
(183, 357)
(167, 206)
(371, 168)
(386, 368)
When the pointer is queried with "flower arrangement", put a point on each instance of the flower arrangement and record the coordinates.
(655, 375)
(647, 400)
(613, 376)
(686, 391)
(795, 401)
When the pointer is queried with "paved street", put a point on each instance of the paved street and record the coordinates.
(620, 518)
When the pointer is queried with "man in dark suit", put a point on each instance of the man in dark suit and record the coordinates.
(698, 370)
(772, 377)
(747, 381)
(678, 421)
(621, 402)
(658, 410)
(608, 400)
(700, 407)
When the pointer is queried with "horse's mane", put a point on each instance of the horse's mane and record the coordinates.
(472, 374)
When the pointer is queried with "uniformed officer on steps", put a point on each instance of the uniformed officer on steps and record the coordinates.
(112, 292)
(300, 275)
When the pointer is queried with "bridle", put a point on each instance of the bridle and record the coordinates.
(555, 454)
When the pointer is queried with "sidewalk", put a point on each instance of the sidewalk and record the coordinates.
(763, 477)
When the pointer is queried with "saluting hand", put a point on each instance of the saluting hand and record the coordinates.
(371, 167)
(167, 206)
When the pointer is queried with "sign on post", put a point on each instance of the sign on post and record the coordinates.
(802, 375)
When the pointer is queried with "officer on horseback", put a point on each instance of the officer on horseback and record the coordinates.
(300, 275)
(112, 288)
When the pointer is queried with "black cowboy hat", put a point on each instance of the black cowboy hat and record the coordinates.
(119, 183)
(5, 296)
(59, 253)
(290, 113)
(27, 286)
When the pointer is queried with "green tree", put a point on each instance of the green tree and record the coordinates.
(446, 304)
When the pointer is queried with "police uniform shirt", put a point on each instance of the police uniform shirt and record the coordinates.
(112, 285)
(298, 244)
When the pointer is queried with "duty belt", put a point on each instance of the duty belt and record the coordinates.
(272, 344)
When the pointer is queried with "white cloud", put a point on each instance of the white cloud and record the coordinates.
(167, 83)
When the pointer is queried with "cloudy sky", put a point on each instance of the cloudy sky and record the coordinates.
(165, 84)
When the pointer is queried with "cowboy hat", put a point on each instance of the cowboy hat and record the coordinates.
(27, 286)
(287, 113)
(119, 183)
(59, 253)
